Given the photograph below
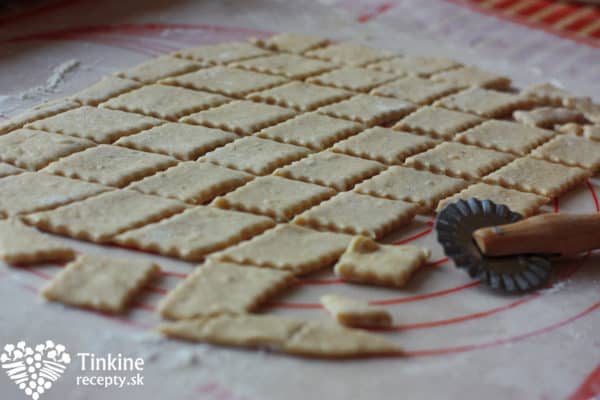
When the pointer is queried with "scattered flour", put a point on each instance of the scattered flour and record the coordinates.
(52, 83)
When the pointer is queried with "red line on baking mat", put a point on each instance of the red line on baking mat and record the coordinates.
(375, 12)
(415, 237)
(594, 196)
(589, 388)
(174, 274)
(32, 12)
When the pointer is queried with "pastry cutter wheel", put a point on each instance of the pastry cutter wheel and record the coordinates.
(508, 253)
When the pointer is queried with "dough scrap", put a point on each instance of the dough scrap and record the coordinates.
(290, 42)
(366, 261)
(194, 233)
(104, 89)
(300, 96)
(289, 65)
(223, 288)
(354, 313)
(437, 122)
(20, 244)
(415, 65)
(159, 68)
(547, 117)
(353, 78)
(369, 110)
(548, 95)
(416, 90)
(472, 76)
(485, 103)
(100, 283)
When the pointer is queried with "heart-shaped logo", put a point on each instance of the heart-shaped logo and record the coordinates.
(34, 370)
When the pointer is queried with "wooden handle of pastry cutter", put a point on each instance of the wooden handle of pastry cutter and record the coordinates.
(546, 233)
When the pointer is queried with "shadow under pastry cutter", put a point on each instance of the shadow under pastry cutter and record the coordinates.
(455, 226)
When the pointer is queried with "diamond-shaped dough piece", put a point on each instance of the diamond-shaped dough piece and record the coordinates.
(223, 288)
(110, 165)
(415, 65)
(353, 78)
(571, 150)
(8, 169)
(159, 68)
(232, 82)
(241, 117)
(20, 244)
(547, 117)
(459, 160)
(288, 247)
(505, 136)
(369, 110)
(222, 53)
(254, 155)
(338, 171)
(384, 145)
(311, 130)
(416, 90)
(291, 42)
(101, 217)
(366, 261)
(421, 187)
(288, 65)
(349, 53)
(538, 176)
(485, 103)
(523, 203)
(471, 76)
(165, 102)
(97, 124)
(350, 312)
(300, 96)
(104, 89)
(547, 94)
(32, 149)
(40, 111)
(182, 141)
(275, 197)
(192, 182)
(358, 214)
(437, 122)
(195, 232)
(30, 191)
(100, 283)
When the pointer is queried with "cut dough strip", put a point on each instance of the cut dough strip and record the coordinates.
(350, 312)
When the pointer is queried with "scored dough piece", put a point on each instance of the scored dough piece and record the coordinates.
(8, 169)
(20, 244)
(459, 160)
(290, 42)
(415, 65)
(233, 82)
(547, 117)
(358, 214)
(289, 65)
(472, 76)
(101, 217)
(97, 124)
(592, 132)
(547, 94)
(350, 312)
(195, 232)
(110, 165)
(273, 196)
(182, 141)
(353, 78)
(338, 171)
(288, 247)
(158, 68)
(36, 191)
(40, 111)
(485, 103)
(300, 96)
(505, 136)
(523, 203)
(165, 102)
(311, 130)
(33, 149)
(192, 182)
(222, 53)
(421, 187)
(366, 261)
(416, 90)
(254, 155)
(223, 288)
(571, 150)
(349, 53)
(437, 122)
(100, 283)
(369, 110)
(104, 89)
(383, 145)
(241, 117)
(538, 176)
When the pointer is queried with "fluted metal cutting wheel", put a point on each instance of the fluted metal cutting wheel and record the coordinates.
(455, 225)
